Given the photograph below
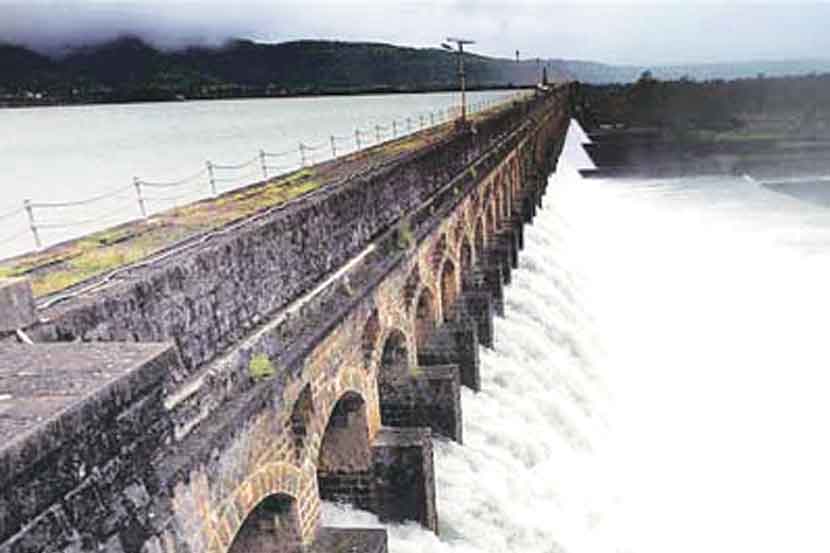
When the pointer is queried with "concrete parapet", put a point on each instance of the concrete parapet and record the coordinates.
(17, 305)
(405, 476)
(431, 399)
(455, 343)
(79, 423)
(350, 540)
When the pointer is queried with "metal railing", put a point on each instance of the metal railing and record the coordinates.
(144, 197)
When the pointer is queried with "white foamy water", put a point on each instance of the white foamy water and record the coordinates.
(658, 383)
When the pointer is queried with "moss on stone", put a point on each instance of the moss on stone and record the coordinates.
(260, 367)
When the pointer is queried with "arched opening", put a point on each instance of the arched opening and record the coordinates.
(478, 240)
(345, 446)
(466, 260)
(394, 361)
(272, 527)
(413, 283)
(507, 200)
(449, 290)
(301, 416)
(424, 317)
(438, 253)
(371, 332)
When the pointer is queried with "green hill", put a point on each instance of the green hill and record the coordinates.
(130, 69)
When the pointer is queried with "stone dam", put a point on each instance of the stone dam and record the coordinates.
(209, 400)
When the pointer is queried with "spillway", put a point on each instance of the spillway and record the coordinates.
(658, 383)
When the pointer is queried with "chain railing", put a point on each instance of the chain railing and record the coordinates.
(151, 196)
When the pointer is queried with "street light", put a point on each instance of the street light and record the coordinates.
(460, 42)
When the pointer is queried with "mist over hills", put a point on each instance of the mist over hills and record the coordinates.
(600, 73)
(131, 69)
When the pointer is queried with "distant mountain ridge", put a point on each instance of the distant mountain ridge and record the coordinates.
(601, 73)
(129, 68)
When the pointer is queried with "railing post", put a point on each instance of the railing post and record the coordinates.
(302, 155)
(212, 178)
(431, 119)
(333, 148)
(141, 205)
(263, 164)
(421, 117)
(408, 124)
(27, 205)
(357, 138)
(394, 128)
(377, 133)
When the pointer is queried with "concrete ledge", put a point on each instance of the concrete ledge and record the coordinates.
(350, 540)
(17, 305)
(430, 399)
(67, 411)
(405, 476)
(455, 343)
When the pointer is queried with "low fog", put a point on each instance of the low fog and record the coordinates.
(613, 32)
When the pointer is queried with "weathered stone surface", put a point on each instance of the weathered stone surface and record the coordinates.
(78, 422)
(430, 399)
(405, 477)
(17, 305)
(480, 310)
(455, 343)
(350, 540)
(177, 457)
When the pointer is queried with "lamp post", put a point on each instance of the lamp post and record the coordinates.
(460, 42)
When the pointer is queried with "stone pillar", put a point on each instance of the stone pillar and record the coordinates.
(354, 488)
(17, 305)
(492, 281)
(404, 477)
(455, 343)
(478, 308)
(507, 247)
(431, 398)
(518, 230)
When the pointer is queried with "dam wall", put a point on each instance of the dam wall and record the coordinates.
(210, 400)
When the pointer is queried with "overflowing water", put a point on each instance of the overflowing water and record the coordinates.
(659, 382)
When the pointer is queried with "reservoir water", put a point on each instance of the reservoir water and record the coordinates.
(659, 382)
(65, 154)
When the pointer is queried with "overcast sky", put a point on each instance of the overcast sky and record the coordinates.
(657, 32)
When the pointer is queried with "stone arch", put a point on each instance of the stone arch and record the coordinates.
(507, 200)
(413, 284)
(302, 415)
(284, 480)
(424, 317)
(273, 526)
(479, 240)
(345, 446)
(449, 289)
(371, 333)
(438, 253)
(394, 359)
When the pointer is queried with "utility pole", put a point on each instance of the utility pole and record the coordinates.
(460, 42)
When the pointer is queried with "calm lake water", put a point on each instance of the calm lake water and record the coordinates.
(59, 155)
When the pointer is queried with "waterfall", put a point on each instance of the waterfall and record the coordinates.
(658, 383)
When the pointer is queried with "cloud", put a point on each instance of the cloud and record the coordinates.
(613, 31)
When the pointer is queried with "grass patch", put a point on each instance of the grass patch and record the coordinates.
(260, 367)
(405, 239)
